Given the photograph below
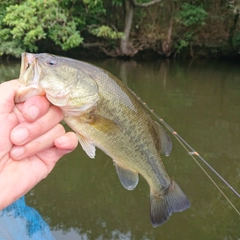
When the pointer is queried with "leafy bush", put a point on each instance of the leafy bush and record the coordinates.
(192, 18)
(26, 23)
(191, 15)
(106, 32)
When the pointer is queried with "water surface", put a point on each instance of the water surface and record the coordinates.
(83, 199)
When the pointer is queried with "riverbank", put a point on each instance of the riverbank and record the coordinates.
(145, 55)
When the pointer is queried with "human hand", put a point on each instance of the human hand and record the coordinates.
(32, 141)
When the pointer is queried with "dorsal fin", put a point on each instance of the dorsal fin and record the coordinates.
(165, 140)
(128, 178)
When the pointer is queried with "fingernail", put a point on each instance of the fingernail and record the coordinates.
(33, 112)
(20, 134)
(17, 152)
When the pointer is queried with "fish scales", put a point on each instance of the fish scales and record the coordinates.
(135, 123)
(105, 114)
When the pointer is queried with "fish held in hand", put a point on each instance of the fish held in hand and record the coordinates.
(105, 114)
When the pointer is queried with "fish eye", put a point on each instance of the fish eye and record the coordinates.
(52, 61)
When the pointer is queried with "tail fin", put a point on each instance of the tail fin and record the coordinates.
(162, 207)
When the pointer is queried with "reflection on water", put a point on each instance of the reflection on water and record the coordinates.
(83, 199)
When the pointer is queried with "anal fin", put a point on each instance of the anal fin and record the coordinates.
(128, 178)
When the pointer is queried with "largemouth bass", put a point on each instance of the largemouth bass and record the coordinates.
(105, 114)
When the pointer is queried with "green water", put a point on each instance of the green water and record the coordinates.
(83, 199)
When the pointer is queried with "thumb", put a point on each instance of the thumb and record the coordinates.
(7, 93)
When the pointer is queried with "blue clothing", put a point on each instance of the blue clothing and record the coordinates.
(21, 222)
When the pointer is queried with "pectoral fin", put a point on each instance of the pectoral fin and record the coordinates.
(128, 178)
(165, 141)
(87, 146)
(103, 125)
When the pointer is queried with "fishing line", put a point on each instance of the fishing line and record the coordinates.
(192, 152)
(210, 178)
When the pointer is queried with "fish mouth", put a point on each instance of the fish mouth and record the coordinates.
(34, 82)
(28, 79)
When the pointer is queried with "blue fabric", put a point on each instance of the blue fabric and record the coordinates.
(21, 222)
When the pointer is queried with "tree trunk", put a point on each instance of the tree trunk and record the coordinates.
(167, 43)
(232, 31)
(126, 49)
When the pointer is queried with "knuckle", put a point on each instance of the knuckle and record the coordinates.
(60, 129)
(39, 126)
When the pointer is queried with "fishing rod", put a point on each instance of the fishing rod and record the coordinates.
(192, 152)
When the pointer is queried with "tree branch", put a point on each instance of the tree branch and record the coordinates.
(110, 53)
(90, 45)
(136, 4)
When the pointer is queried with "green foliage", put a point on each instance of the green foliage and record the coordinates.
(191, 15)
(95, 6)
(180, 45)
(236, 40)
(118, 3)
(106, 32)
(183, 42)
(32, 20)
(23, 24)
(27, 25)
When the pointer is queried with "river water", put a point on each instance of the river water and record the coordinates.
(83, 199)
